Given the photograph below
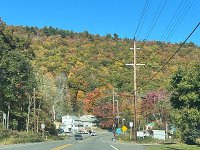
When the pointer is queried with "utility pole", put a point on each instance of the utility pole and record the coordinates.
(135, 93)
(134, 64)
(117, 113)
(113, 99)
(114, 115)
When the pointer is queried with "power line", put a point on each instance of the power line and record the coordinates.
(173, 18)
(179, 19)
(183, 7)
(156, 16)
(171, 56)
(142, 18)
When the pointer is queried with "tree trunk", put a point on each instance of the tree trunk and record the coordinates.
(54, 114)
(34, 110)
(8, 116)
(28, 114)
(38, 114)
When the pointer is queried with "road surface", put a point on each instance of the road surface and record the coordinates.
(99, 142)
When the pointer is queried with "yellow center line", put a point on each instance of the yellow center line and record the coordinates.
(62, 146)
(90, 138)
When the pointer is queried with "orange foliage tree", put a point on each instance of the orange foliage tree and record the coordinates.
(98, 103)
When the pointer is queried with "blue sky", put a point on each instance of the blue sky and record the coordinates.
(109, 16)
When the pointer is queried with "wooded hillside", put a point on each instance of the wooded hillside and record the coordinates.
(68, 72)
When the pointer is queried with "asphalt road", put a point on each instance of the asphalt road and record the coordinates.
(99, 142)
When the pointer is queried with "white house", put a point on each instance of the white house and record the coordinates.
(89, 121)
(159, 134)
(71, 123)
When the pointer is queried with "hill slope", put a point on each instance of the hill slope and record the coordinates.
(71, 68)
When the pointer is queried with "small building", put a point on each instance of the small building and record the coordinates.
(71, 123)
(89, 121)
(159, 134)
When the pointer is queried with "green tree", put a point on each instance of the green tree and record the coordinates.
(115, 36)
(16, 76)
(185, 88)
(16, 80)
(185, 85)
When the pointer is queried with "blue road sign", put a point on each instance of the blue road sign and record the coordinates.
(118, 131)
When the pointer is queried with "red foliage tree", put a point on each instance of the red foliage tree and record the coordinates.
(90, 100)
(98, 104)
(155, 107)
(104, 112)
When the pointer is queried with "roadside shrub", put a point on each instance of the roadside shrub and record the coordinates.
(198, 141)
(4, 134)
(27, 138)
(148, 139)
(52, 130)
(14, 137)
(191, 136)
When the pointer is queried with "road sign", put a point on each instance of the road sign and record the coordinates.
(42, 126)
(118, 131)
(124, 128)
(130, 124)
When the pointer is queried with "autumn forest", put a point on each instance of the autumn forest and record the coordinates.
(47, 72)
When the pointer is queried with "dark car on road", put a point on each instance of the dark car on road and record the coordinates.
(78, 137)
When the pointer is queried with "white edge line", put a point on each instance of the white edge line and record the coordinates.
(114, 147)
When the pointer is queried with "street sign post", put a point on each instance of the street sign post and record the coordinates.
(131, 126)
(124, 129)
(118, 131)
(43, 128)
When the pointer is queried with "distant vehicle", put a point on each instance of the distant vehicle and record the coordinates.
(78, 137)
(93, 134)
